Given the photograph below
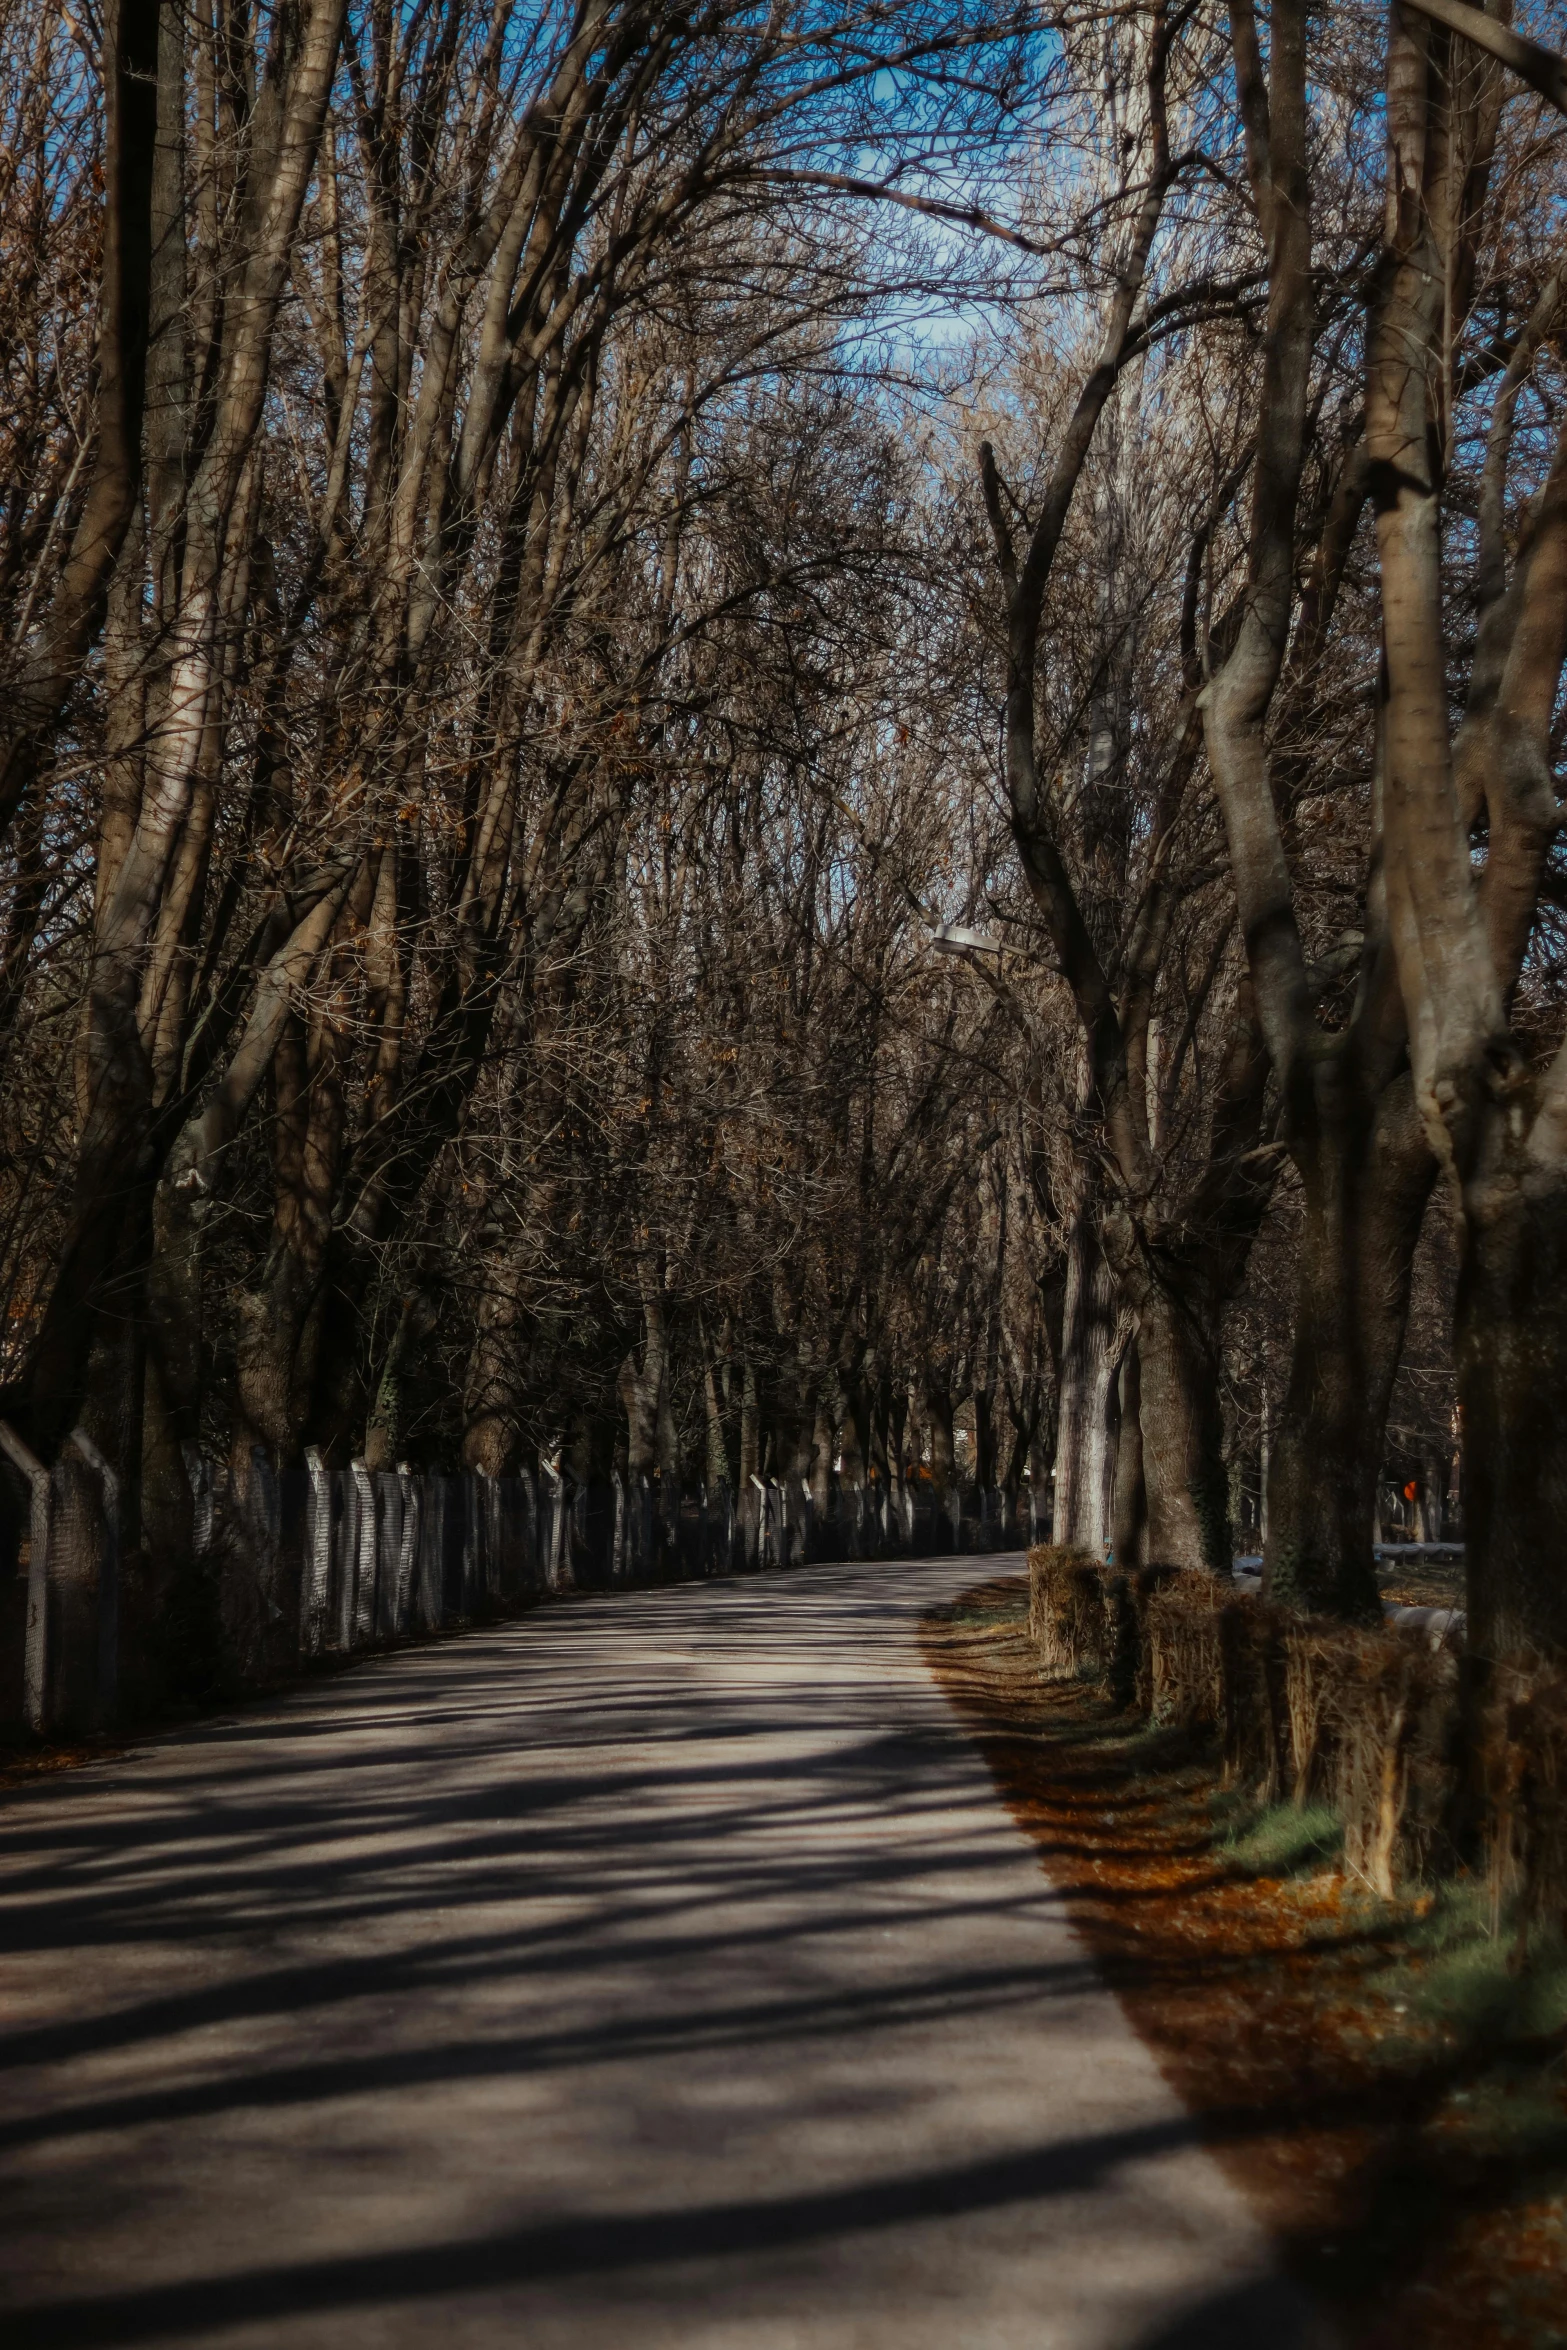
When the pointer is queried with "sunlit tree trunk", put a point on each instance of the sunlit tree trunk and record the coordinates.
(1088, 1423)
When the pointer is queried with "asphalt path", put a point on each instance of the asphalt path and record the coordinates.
(660, 1972)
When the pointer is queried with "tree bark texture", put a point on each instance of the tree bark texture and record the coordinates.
(1511, 1343)
(1129, 1515)
(1366, 1179)
(1183, 1432)
(1087, 1427)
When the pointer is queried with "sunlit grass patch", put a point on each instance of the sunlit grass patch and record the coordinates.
(986, 1609)
(1455, 1970)
(1278, 1839)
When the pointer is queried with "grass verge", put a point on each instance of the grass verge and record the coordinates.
(1388, 2092)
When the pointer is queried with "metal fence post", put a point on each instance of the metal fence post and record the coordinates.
(198, 1476)
(470, 1541)
(532, 1579)
(387, 1503)
(364, 1555)
(35, 1670)
(407, 1545)
(432, 1550)
(617, 1548)
(318, 1554)
(494, 1562)
(345, 1553)
(551, 1516)
(108, 1573)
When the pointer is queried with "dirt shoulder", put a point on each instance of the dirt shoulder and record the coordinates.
(1392, 2097)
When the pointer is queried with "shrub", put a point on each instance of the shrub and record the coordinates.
(1393, 1704)
(1090, 1622)
(1186, 1681)
(1368, 1722)
(1066, 1614)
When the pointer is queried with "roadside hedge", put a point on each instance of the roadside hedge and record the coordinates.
(1433, 1759)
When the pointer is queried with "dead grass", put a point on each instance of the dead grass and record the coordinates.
(1389, 2094)
(1423, 1582)
(19, 1765)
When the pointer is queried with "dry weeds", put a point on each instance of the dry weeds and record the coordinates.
(1377, 2087)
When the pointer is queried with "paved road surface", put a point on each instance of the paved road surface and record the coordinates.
(660, 1973)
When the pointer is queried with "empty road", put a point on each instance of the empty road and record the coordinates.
(659, 1973)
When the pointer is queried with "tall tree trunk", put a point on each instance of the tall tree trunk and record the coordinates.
(493, 1382)
(386, 1423)
(647, 1377)
(1129, 1514)
(853, 1418)
(1366, 1181)
(897, 1422)
(823, 1450)
(116, 1159)
(1086, 1429)
(750, 1427)
(1182, 1426)
(1511, 1344)
(1500, 1132)
(719, 1471)
(985, 1475)
(52, 666)
(938, 1418)
(280, 1317)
